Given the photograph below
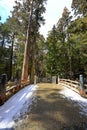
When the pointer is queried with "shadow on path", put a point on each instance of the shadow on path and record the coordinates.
(53, 112)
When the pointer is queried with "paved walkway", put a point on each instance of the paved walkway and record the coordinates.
(53, 112)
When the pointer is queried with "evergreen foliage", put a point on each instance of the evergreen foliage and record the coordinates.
(63, 53)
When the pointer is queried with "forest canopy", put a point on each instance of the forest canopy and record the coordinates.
(63, 53)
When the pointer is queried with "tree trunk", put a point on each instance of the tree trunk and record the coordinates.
(11, 58)
(33, 59)
(27, 44)
(32, 72)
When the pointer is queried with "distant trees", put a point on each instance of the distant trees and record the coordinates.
(53, 52)
(79, 32)
(58, 61)
(70, 42)
(5, 44)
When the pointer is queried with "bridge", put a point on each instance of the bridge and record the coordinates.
(13, 87)
(50, 109)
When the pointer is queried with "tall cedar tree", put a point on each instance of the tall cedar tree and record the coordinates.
(36, 10)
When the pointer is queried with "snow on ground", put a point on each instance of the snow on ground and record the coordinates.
(16, 106)
(76, 98)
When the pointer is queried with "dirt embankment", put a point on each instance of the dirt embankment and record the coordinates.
(52, 112)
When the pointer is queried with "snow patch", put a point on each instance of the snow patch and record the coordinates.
(78, 100)
(16, 105)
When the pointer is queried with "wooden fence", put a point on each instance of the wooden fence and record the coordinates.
(75, 86)
(12, 88)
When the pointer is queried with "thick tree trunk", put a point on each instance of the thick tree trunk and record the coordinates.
(33, 61)
(26, 52)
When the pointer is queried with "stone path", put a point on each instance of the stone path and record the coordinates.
(52, 112)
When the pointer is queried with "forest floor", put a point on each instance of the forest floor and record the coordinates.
(51, 111)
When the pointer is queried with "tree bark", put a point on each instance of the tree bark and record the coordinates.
(27, 44)
(33, 60)
(11, 58)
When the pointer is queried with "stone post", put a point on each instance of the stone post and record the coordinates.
(54, 79)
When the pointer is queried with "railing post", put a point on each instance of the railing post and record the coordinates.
(35, 79)
(54, 79)
(3, 86)
(81, 81)
(58, 79)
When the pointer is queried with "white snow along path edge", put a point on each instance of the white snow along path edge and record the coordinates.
(78, 100)
(17, 104)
